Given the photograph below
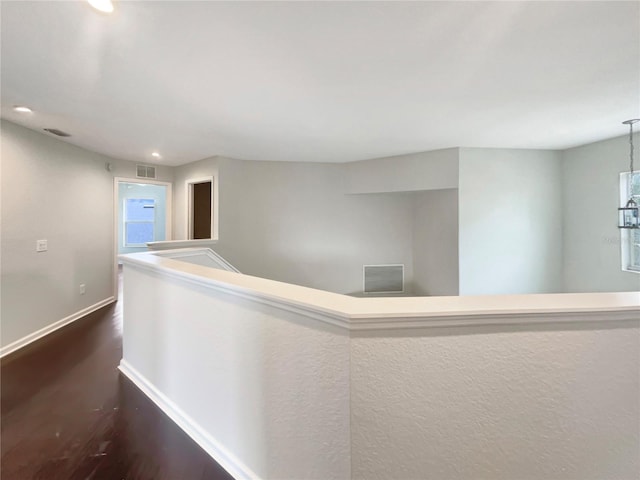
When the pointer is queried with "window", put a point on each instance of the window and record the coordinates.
(139, 221)
(630, 238)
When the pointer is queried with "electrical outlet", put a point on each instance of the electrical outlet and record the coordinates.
(41, 246)
(83, 289)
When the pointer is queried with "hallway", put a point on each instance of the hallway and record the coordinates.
(67, 413)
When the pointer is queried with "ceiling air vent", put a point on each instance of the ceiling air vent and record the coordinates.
(145, 171)
(383, 279)
(57, 132)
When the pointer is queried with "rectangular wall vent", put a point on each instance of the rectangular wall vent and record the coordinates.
(383, 278)
(145, 171)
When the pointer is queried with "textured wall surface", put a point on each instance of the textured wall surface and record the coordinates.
(271, 389)
(500, 404)
(267, 369)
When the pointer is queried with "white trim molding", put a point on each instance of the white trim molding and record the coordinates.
(239, 362)
(32, 337)
(360, 314)
(215, 449)
(173, 244)
(213, 179)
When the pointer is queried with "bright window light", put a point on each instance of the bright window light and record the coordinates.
(139, 221)
(22, 109)
(630, 237)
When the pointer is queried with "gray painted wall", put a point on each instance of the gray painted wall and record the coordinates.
(435, 242)
(317, 224)
(53, 190)
(404, 173)
(591, 237)
(196, 170)
(294, 223)
(510, 213)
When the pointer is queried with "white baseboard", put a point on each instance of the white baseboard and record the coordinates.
(32, 337)
(219, 453)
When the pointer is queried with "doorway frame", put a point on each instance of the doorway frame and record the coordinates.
(214, 205)
(116, 224)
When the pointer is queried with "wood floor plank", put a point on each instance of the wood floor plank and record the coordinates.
(68, 414)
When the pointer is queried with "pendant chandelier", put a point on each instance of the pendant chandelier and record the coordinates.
(628, 215)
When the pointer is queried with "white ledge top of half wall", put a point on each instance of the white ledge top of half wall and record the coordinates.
(400, 312)
(173, 244)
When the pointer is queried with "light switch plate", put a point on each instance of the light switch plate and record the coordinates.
(41, 246)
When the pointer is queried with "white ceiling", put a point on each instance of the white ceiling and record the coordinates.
(321, 81)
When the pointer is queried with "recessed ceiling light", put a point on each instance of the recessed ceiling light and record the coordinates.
(155, 154)
(21, 109)
(105, 6)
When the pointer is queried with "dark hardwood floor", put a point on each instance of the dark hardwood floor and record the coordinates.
(67, 413)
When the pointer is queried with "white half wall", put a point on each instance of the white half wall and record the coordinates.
(270, 400)
(62, 193)
(278, 381)
(510, 214)
(501, 403)
(435, 242)
(591, 198)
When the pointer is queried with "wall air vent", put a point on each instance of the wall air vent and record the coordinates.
(57, 132)
(383, 279)
(145, 171)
